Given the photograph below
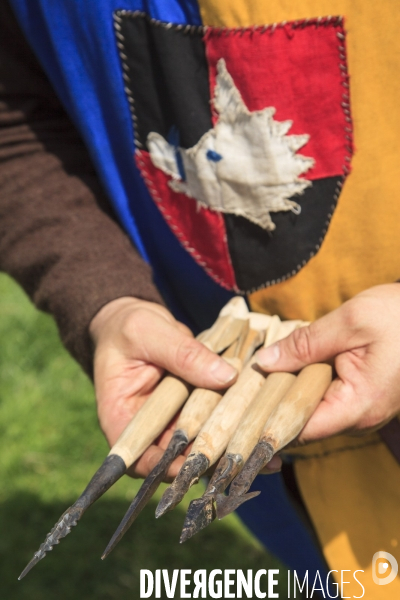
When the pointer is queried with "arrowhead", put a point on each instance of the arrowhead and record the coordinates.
(227, 504)
(200, 514)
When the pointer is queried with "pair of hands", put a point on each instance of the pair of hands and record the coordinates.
(136, 340)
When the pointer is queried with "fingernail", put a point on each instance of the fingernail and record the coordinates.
(222, 371)
(268, 356)
(275, 464)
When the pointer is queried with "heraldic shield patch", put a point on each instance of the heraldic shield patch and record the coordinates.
(243, 137)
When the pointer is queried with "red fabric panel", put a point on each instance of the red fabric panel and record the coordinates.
(201, 231)
(301, 71)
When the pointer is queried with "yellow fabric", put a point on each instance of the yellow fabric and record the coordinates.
(353, 494)
(362, 246)
(354, 499)
(334, 445)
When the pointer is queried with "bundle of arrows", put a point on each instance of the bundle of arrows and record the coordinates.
(243, 428)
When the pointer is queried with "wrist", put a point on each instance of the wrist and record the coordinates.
(109, 311)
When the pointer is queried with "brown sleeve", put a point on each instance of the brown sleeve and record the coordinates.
(58, 237)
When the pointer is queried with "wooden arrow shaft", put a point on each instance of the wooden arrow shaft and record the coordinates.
(202, 402)
(219, 429)
(297, 406)
(250, 428)
(172, 392)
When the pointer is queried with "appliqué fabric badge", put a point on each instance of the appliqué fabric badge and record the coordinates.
(243, 137)
(245, 165)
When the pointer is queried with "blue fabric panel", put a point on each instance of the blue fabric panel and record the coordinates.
(87, 77)
(273, 520)
(75, 42)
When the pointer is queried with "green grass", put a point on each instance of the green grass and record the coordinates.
(50, 446)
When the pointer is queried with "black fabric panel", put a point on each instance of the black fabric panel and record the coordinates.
(168, 78)
(260, 257)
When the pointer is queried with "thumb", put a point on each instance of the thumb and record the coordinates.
(182, 355)
(321, 341)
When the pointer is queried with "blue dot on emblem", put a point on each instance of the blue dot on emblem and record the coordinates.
(214, 156)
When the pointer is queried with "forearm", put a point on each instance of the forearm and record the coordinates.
(58, 238)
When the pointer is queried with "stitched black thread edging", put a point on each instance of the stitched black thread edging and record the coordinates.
(197, 257)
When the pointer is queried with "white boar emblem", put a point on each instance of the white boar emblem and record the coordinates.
(246, 165)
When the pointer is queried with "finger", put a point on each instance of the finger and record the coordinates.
(149, 459)
(167, 346)
(274, 466)
(183, 328)
(146, 463)
(175, 468)
(338, 412)
(319, 342)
